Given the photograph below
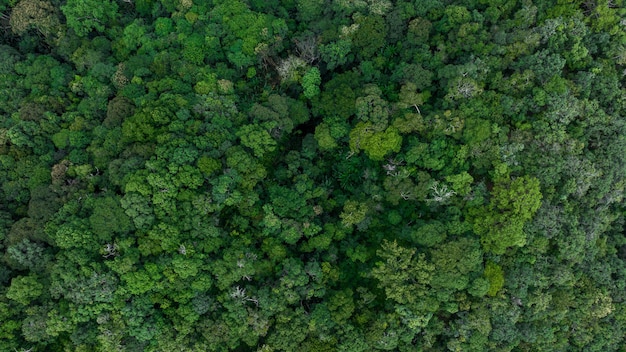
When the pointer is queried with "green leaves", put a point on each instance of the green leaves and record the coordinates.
(85, 16)
(372, 108)
(353, 213)
(495, 276)
(257, 139)
(404, 276)
(309, 175)
(311, 82)
(245, 32)
(24, 289)
(108, 218)
(74, 235)
(370, 35)
(454, 261)
(513, 203)
(336, 53)
(375, 144)
(193, 50)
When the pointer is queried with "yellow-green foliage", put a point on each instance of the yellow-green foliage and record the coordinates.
(375, 144)
(495, 276)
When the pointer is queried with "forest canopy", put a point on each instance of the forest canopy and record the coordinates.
(312, 175)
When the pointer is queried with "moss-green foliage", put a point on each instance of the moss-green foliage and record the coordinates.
(181, 175)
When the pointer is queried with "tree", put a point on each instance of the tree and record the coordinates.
(348, 175)
(372, 108)
(28, 255)
(513, 203)
(246, 33)
(135, 37)
(118, 109)
(193, 50)
(324, 137)
(404, 276)
(85, 16)
(311, 82)
(108, 218)
(37, 14)
(9, 87)
(309, 11)
(406, 279)
(353, 213)
(430, 234)
(419, 30)
(24, 289)
(336, 53)
(454, 261)
(375, 144)
(338, 97)
(410, 98)
(495, 276)
(370, 35)
(257, 139)
(138, 208)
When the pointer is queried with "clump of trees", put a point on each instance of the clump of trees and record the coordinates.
(312, 176)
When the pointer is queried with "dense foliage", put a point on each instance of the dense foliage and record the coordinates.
(312, 175)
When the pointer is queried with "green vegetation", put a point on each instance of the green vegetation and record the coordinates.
(310, 175)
